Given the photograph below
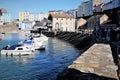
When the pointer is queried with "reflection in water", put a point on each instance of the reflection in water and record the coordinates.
(43, 65)
(20, 59)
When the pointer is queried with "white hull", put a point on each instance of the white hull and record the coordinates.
(38, 43)
(35, 46)
(15, 52)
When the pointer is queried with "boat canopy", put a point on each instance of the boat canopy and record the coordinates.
(13, 47)
(28, 42)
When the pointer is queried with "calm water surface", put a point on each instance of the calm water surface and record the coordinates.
(43, 65)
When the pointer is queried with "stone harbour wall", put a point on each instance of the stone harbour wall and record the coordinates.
(97, 63)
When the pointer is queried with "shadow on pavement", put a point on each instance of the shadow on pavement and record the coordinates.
(73, 74)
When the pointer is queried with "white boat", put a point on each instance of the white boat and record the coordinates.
(33, 45)
(40, 38)
(37, 42)
(17, 50)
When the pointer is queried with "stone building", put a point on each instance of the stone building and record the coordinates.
(98, 8)
(86, 8)
(95, 21)
(81, 22)
(62, 22)
(41, 24)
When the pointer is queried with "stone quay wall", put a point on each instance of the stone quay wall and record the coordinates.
(96, 63)
(80, 40)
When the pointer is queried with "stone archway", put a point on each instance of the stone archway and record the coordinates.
(57, 26)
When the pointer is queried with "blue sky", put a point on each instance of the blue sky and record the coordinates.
(37, 6)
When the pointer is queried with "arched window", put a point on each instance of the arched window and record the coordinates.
(57, 26)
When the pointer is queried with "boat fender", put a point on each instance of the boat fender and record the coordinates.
(11, 54)
(19, 54)
(6, 54)
(32, 50)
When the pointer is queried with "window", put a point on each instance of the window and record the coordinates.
(20, 48)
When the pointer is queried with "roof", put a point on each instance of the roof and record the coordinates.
(81, 22)
(28, 42)
(109, 22)
(62, 15)
(95, 17)
(41, 23)
(38, 23)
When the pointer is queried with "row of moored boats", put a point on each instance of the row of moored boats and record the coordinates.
(26, 47)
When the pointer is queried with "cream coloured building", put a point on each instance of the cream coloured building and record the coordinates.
(62, 22)
(21, 16)
(31, 17)
(25, 15)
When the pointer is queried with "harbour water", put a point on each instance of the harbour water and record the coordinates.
(43, 65)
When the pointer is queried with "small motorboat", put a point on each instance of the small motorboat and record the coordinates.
(33, 45)
(37, 42)
(17, 50)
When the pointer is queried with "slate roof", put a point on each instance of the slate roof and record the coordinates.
(62, 15)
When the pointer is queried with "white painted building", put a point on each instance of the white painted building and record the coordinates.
(41, 16)
(62, 22)
(6, 17)
(1, 22)
(26, 25)
(111, 5)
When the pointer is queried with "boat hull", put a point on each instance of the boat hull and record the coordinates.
(15, 53)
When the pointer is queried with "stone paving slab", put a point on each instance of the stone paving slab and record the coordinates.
(97, 59)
